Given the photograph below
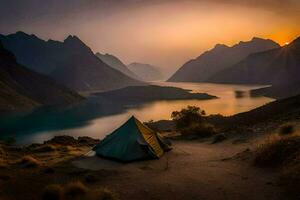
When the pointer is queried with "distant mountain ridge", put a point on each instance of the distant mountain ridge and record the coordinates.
(71, 62)
(116, 63)
(278, 67)
(22, 89)
(145, 71)
(219, 58)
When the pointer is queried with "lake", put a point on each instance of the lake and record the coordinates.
(232, 99)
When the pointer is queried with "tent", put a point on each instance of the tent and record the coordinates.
(132, 141)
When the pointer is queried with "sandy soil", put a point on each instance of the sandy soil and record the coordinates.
(192, 170)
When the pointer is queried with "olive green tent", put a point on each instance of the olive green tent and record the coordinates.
(132, 141)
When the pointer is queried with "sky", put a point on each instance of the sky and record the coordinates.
(165, 33)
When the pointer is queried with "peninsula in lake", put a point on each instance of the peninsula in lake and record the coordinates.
(142, 94)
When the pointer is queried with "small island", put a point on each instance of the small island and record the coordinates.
(141, 94)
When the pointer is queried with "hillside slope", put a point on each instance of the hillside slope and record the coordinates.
(285, 109)
(22, 89)
(70, 62)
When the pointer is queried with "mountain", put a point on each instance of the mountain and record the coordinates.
(145, 71)
(219, 58)
(70, 62)
(116, 63)
(278, 67)
(23, 89)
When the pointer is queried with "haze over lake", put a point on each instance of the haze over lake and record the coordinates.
(228, 103)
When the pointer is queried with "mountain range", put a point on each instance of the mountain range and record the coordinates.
(277, 67)
(117, 64)
(71, 62)
(145, 71)
(22, 89)
(219, 58)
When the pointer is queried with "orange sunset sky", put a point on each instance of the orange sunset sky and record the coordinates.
(164, 33)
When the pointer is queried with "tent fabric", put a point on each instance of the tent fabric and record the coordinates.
(132, 141)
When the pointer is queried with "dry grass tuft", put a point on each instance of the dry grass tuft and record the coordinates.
(1, 151)
(104, 194)
(278, 151)
(29, 162)
(283, 151)
(66, 149)
(3, 164)
(45, 148)
(52, 192)
(75, 190)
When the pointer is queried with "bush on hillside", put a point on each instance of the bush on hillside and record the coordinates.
(188, 116)
(190, 121)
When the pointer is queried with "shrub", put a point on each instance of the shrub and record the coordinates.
(190, 121)
(103, 194)
(278, 151)
(187, 116)
(287, 129)
(52, 192)
(199, 129)
(75, 190)
(29, 162)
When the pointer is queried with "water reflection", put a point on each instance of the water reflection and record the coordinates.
(98, 117)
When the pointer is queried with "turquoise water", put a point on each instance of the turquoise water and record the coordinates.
(228, 103)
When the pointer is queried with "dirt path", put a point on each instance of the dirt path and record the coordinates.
(192, 170)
